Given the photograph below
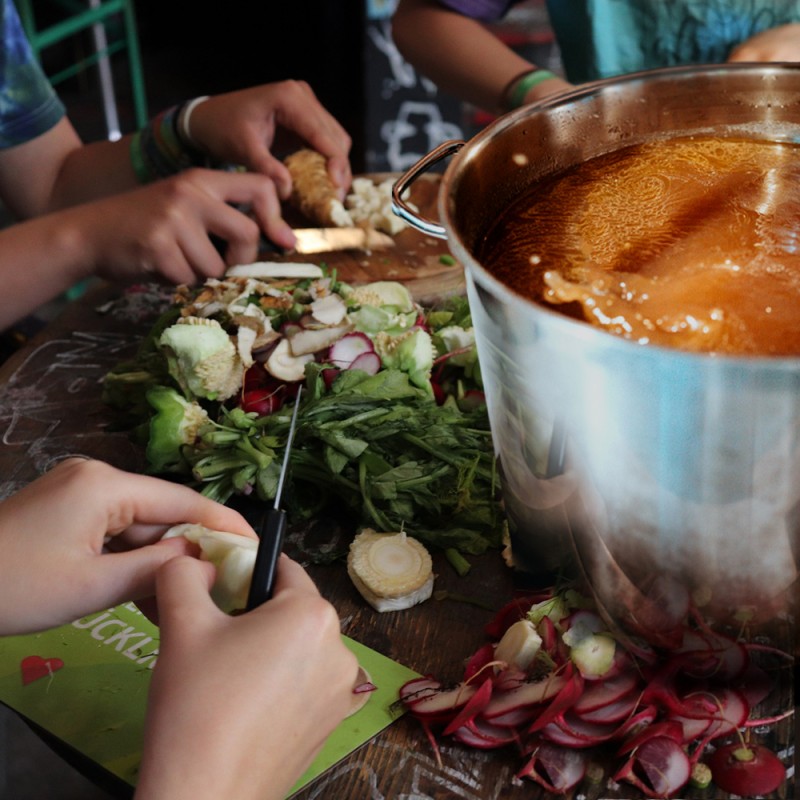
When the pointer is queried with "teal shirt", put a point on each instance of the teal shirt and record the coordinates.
(29, 105)
(603, 38)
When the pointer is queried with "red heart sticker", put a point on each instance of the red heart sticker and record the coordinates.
(35, 667)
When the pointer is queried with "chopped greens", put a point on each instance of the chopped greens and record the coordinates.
(402, 446)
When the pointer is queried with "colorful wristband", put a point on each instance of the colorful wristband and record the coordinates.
(521, 87)
(157, 150)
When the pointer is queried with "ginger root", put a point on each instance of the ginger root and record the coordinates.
(313, 191)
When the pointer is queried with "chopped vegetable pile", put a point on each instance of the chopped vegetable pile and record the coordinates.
(393, 425)
(564, 691)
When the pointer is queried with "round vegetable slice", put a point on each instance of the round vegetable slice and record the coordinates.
(392, 571)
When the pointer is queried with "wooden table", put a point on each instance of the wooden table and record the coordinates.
(51, 406)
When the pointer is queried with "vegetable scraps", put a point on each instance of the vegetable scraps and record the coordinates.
(557, 685)
(391, 571)
(393, 426)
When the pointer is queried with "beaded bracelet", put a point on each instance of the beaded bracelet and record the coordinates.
(157, 150)
(522, 84)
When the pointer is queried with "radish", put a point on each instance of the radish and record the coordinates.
(569, 731)
(525, 695)
(601, 694)
(264, 401)
(615, 711)
(659, 767)
(479, 659)
(483, 735)
(441, 704)
(343, 352)
(367, 362)
(747, 770)
(472, 708)
(556, 769)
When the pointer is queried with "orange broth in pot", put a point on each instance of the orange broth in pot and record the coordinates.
(689, 242)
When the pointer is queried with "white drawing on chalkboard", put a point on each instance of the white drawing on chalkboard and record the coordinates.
(415, 116)
(404, 76)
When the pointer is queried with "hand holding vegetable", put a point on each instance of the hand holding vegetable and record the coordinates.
(85, 536)
(251, 698)
(240, 127)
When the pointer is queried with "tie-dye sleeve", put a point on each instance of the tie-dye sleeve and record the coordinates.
(29, 106)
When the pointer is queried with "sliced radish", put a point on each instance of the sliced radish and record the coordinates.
(482, 735)
(615, 711)
(367, 362)
(659, 767)
(577, 732)
(566, 697)
(556, 769)
(442, 704)
(664, 729)
(515, 718)
(472, 707)
(528, 694)
(602, 693)
(693, 728)
(632, 726)
(344, 351)
(730, 714)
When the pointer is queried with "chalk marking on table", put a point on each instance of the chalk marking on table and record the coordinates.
(36, 401)
(462, 781)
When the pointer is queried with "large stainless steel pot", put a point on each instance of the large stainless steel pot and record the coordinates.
(656, 474)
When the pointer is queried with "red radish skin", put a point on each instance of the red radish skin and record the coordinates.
(472, 708)
(264, 401)
(747, 771)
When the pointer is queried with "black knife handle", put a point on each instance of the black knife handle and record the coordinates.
(269, 551)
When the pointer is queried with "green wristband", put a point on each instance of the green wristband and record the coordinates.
(526, 83)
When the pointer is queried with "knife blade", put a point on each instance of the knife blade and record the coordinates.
(272, 529)
(328, 240)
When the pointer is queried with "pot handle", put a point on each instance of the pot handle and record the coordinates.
(402, 209)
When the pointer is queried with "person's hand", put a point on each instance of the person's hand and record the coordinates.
(240, 705)
(163, 228)
(240, 127)
(776, 44)
(86, 536)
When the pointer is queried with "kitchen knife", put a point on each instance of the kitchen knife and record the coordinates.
(271, 531)
(328, 240)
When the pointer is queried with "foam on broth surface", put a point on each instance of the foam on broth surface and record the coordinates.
(689, 242)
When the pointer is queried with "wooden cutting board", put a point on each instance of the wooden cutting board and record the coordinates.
(416, 259)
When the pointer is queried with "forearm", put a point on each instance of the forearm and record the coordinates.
(39, 259)
(458, 53)
(93, 171)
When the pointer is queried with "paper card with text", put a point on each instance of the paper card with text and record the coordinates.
(86, 684)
